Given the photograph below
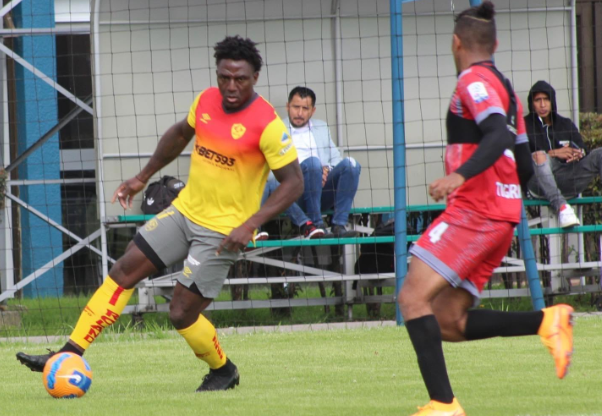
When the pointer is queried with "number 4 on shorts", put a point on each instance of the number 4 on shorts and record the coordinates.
(438, 231)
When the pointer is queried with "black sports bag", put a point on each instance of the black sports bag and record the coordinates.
(159, 195)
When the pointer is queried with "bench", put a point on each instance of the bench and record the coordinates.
(164, 285)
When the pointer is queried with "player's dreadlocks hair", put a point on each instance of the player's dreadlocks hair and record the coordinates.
(476, 27)
(238, 49)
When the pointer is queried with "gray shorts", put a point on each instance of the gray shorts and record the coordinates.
(170, 237)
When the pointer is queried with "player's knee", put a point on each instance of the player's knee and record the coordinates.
(452, 324)
(452, 330)
(178, 316)
(451, 333)
(119, 275)
(406, 301)
(121, 282)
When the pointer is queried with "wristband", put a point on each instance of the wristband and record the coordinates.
(251, 230)
(139, 179)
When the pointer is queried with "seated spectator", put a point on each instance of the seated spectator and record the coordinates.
(330, 181)
(563, 168)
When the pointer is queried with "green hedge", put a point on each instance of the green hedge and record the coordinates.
(591, 131)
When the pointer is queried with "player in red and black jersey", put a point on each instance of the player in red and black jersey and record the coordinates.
(486, 160)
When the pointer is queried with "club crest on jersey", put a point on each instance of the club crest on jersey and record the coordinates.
(238, 130)
(478, 92)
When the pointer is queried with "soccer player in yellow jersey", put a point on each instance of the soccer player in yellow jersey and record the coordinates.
(238, 139)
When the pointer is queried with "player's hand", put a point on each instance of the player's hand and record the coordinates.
(441, 188)
(325, 171)
(237, 240)
(126, 191)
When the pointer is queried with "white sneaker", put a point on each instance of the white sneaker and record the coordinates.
(567, 217)
(262, 236)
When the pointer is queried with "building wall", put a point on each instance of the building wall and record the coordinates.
(155, 57)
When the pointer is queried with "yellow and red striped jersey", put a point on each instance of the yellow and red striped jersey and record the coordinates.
(232, 156)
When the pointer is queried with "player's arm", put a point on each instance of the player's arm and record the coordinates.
(494, 142)
(171, 144)
(524, 163)
(290, 189)
(522, 151)
(281, 156)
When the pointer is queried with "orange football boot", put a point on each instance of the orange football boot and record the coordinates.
(556, 332)
(435, 408)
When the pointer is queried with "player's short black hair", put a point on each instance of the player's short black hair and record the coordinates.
(476, 27)
(303, 92)
(238, 49)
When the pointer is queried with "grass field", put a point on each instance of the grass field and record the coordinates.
(57, 316)
(334, 372)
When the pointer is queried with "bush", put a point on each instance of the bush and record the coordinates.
(591, 131)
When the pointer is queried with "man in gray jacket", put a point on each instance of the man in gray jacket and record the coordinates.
(331, 181)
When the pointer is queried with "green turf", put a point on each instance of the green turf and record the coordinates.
(335, 372)
(57, 316)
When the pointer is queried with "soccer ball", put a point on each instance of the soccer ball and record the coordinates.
(67, 376)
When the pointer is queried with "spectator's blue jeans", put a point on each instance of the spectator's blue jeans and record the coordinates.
(294, 212)
(338, 192)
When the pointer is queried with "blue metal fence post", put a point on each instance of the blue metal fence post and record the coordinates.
(37, 112)
(399, 156)
(530, 265)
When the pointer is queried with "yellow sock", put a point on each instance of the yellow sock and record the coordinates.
(102, 310)
(202, 338)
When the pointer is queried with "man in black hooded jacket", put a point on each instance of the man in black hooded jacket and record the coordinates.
(563, 167)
